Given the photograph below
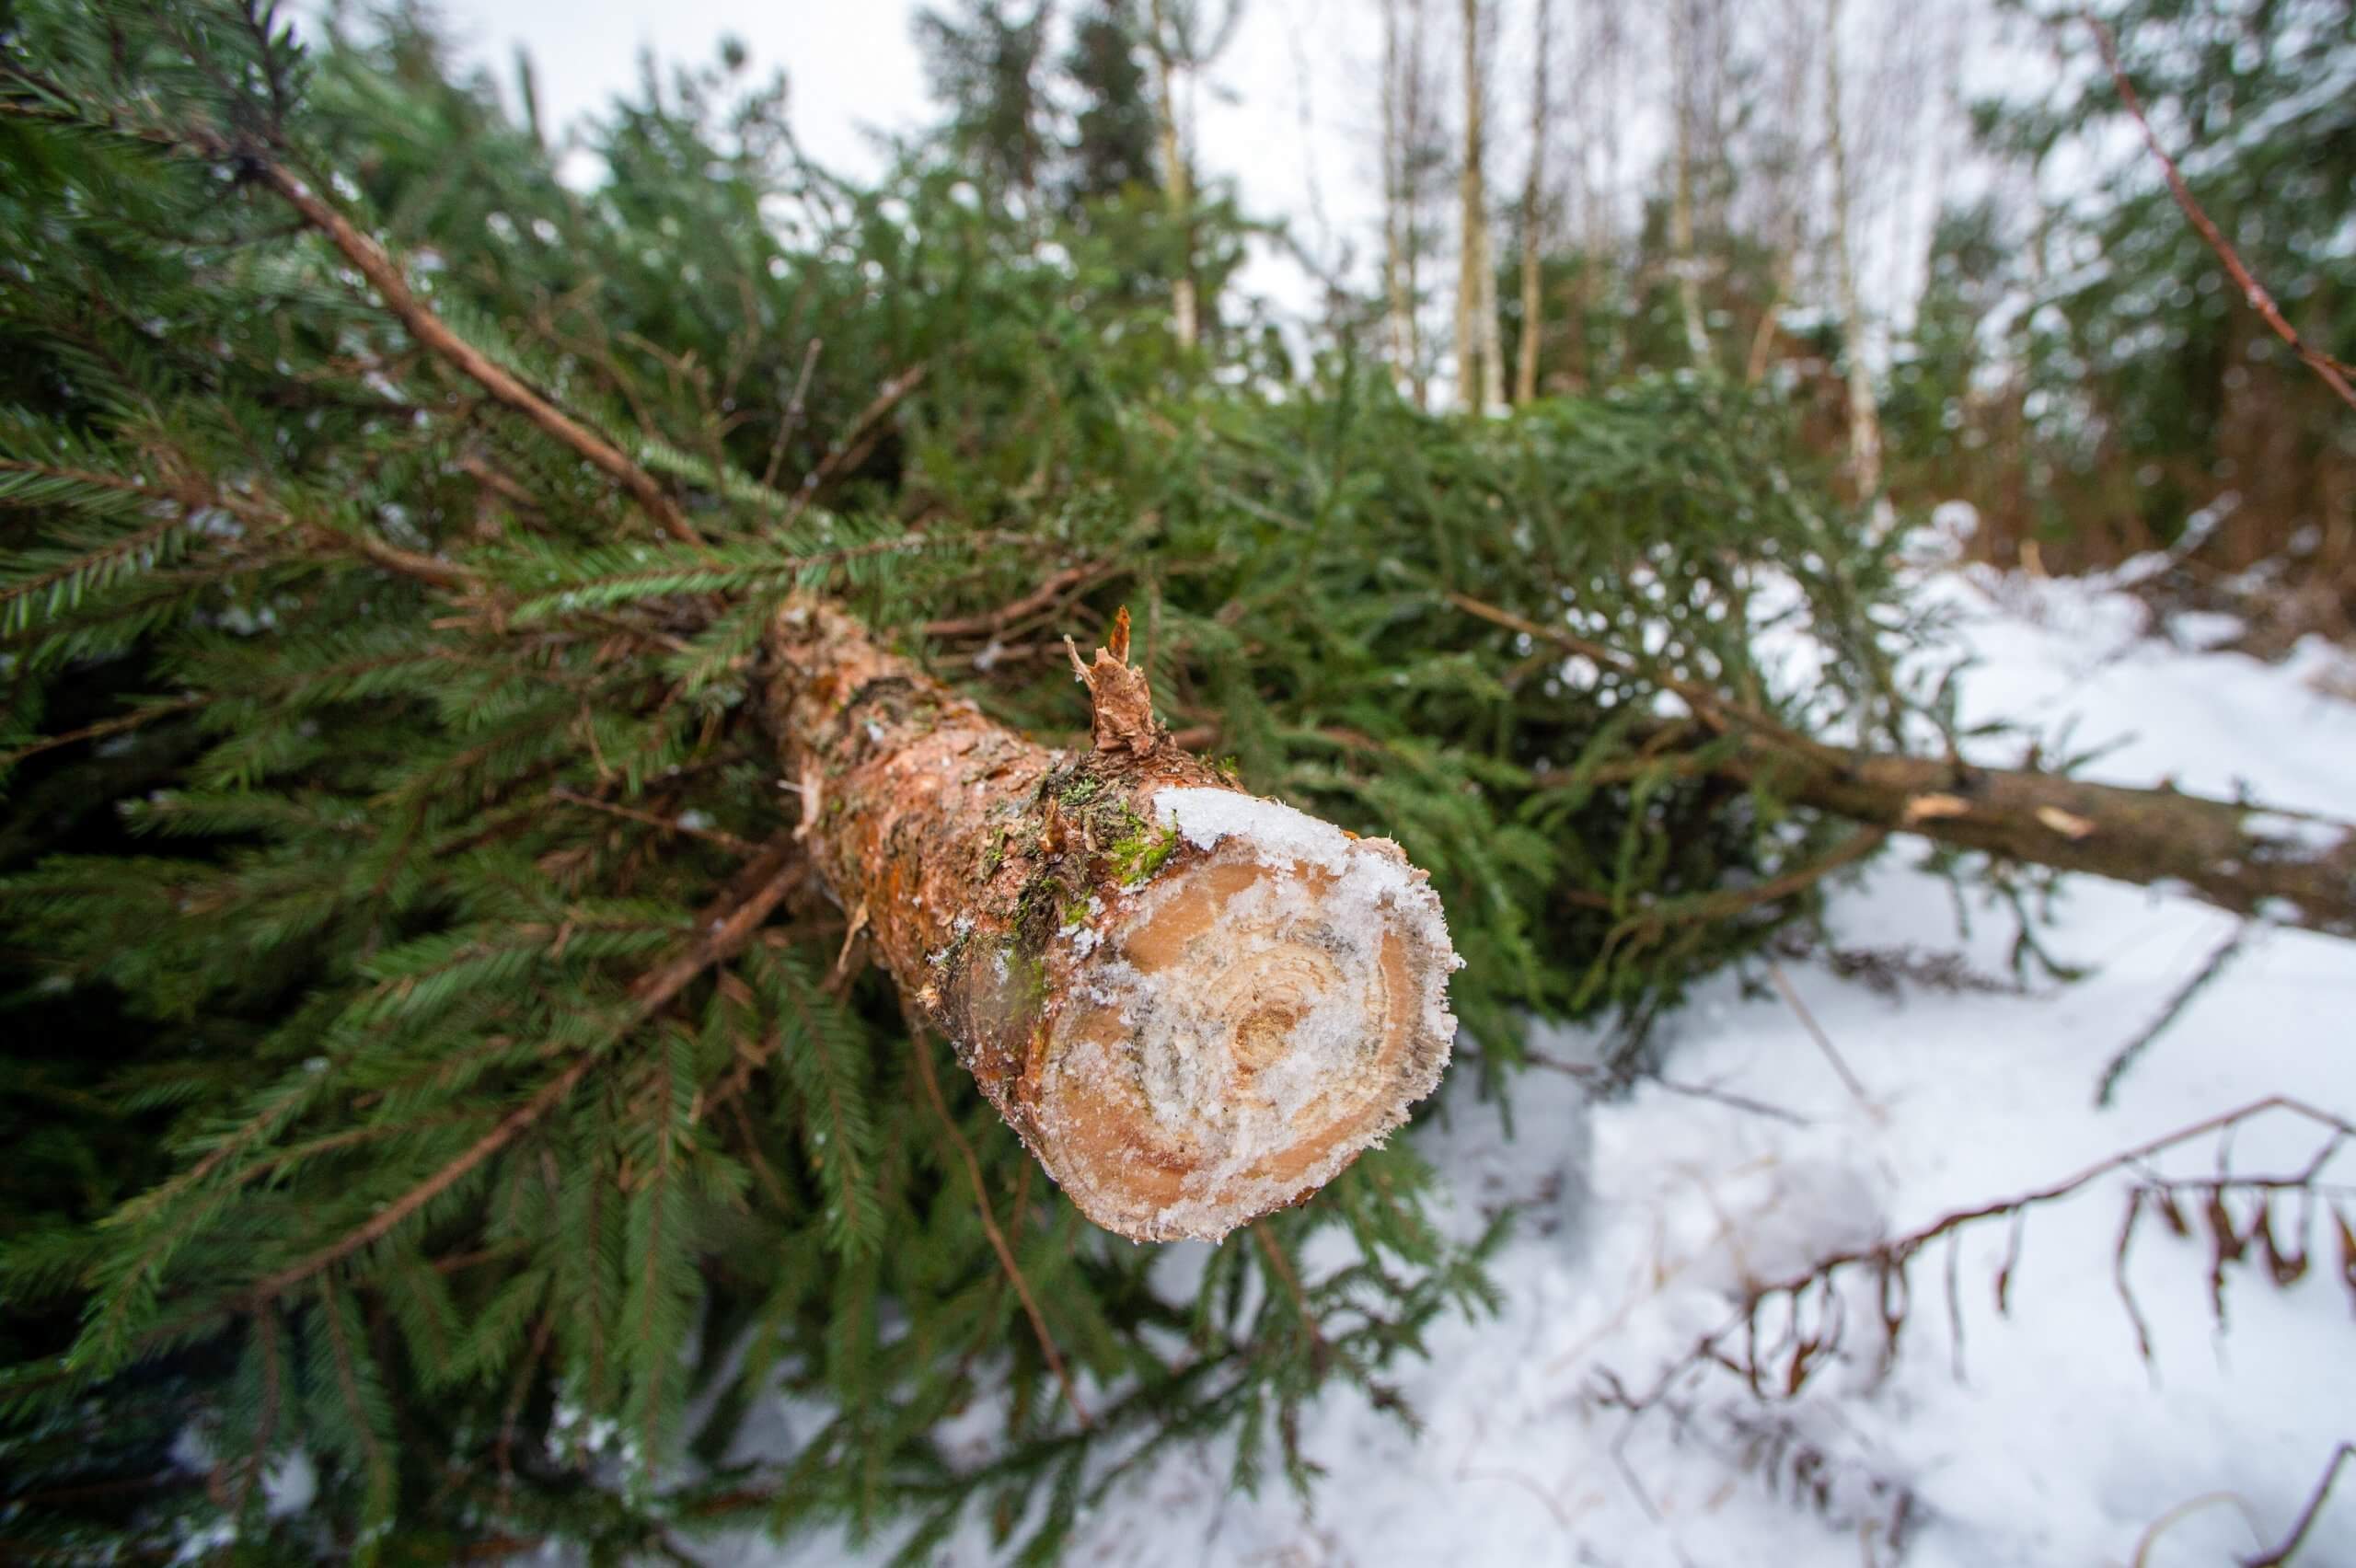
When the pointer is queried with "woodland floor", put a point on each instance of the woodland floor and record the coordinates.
(2042, 1436)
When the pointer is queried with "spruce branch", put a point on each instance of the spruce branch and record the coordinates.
(2330, 371)
(101, 729)
(722, 929)
(390, 1217)
(2230, 854)
(46, 102)
(381, 272)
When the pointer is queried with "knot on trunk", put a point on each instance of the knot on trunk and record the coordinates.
(1121, 703)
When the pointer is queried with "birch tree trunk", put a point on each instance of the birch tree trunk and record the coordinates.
(1178, 185)
(1493, 352)
(1480, 379)
(1525, 380)
(1864, 416)
(1792, 71)
(1193, 1006)
(1398, 214)
(1417, 150)
(1686, 51)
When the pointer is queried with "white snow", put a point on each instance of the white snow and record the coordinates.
(1277, 833)
(2039, 1436)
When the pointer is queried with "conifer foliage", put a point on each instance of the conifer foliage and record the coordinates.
(429, 1064)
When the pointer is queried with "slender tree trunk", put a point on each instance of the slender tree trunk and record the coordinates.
(1177, 183)
(1493, 352)
(1533, 192)
(1480, 375)
(1415, 146)
(1762, 339)
(1864, 416)
(1193, 1006)
(1398, 234)
(1687, 65)
(1792, 69)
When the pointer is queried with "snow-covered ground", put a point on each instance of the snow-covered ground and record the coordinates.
(2039, 1436)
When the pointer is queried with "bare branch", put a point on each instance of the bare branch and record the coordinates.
(922, 1047)
(2333, 373)
(378, 268)
(2297, 1538)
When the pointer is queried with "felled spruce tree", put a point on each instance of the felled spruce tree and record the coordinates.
(499, 1068)
(481, 987)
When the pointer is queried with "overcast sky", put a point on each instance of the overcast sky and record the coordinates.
(853, 68)
(1288, 112)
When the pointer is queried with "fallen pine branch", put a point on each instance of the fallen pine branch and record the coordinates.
(2287, 867)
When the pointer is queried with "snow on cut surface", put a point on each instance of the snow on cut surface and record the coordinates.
(1374, 874)
(1298, 970)
(1278, 832)
(2038, 1438)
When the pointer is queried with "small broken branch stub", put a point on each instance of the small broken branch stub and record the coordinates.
(1120, 704)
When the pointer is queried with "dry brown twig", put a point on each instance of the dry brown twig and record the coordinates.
(931, 1081)
(858, 439)
(1783, 988)
(991, 623)
(727, 841)
(2306, 1521)
(1805, 1345)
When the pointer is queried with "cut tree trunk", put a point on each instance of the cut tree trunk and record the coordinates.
(1193, 1006)
(2296, 869)
(2284, 866)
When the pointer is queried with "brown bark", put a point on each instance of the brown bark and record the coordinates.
(2284, 865)
(1193, 1006)
(2298, 870)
